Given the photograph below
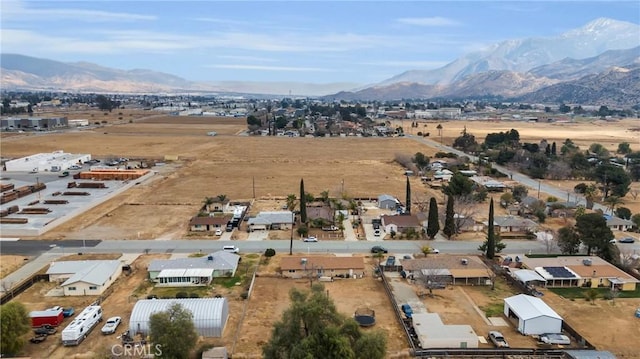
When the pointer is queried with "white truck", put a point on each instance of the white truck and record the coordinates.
(82, 325)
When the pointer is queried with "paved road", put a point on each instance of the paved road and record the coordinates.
(532, 183)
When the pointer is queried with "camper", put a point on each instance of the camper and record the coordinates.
(82, 325)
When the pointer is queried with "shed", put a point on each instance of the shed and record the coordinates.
(209, 314)
(527, 275)
(432, 333)
(387, 201)
(532, 314)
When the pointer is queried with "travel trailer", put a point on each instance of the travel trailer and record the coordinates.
(82, 325)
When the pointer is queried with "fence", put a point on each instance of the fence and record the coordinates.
(26, 284)
(396, 308)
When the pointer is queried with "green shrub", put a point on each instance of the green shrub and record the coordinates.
(182, 295)
(269, 252)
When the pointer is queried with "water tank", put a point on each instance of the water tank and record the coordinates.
(464, 261)
(587, 261)
(303, 260)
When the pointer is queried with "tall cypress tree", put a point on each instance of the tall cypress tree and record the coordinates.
(433, 224)
(449, 222)
(303, 203)
(408, 199)
(491, 234)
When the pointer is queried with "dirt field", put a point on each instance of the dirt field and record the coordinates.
(9, 263)
(271, 297)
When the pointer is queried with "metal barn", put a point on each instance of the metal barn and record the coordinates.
(209, 314)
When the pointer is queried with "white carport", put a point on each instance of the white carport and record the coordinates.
(533, 315)
(527, 276)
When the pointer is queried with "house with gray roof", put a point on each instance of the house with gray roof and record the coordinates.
(188, 272)
(619, 224)
(271, 220)
(91, 277)
(513, 224)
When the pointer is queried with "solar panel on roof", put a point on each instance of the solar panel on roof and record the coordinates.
(559, 272)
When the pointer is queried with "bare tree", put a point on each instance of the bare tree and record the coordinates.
(405, 161)
(433, 277)
(465, 209)
(549, 240)
(559, 170)
(634, 193)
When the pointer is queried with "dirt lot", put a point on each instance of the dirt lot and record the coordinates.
(271, 297)
(9, 263)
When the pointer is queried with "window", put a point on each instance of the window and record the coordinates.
(71, 288)
(93, 287)
(292, 270)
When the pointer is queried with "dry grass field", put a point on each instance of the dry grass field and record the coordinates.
(241, 166)
(9, 263)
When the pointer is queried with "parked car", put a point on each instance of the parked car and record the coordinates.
(378, 249)
(627, 240)
(75, 167)
(555, 338)
(218, 232)
(406, 309)
(310, 239)
(111, 325)
(391, 260)
(46, 329)
(330, 228)
(231, 249)
(498, 339)
(434, 251)
(38, 338)
(67, 312)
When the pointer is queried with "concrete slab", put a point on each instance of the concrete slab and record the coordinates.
(498, 322)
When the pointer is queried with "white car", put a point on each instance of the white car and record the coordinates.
(310, 239)
(218, 232)
(231, 249)
(111, 325)
(435, 251)
(75, 167)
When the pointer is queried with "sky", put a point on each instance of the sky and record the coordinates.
(358, 42)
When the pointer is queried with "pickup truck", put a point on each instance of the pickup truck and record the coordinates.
(406, 309)
(39, 338)
(555, 338)
(330, 228)
(45, 330)
(67, 312)
(498, 339)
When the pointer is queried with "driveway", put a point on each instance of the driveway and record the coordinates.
(258, 236)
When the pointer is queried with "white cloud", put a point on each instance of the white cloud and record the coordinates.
(246, 58)
(269, 68)
(428, 21)
(412, 64)
(21, 11)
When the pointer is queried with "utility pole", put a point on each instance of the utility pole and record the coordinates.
(293, 220)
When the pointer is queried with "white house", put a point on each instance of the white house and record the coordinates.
(91, 277)
(189, 272)
(271, 220)
(532, 315)
(619, 224)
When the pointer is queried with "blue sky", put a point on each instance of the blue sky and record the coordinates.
(302, 41)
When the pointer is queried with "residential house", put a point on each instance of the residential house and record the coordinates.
(448, 269)
(198, 271)
(219, 205)
(619, 224)
(208, 223)
(321, 266)
(271, 220)
(401, 223)
(489, 183)
(513, 224)
(320, 211)
(528, 204)
(91, 277)
(580, 271)
(387, 201)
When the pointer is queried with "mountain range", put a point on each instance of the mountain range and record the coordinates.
(594, 64)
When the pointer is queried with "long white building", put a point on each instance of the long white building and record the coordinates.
(46, 162)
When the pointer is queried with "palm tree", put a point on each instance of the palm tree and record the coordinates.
(612, 202)
(208, 201)
(291, 202)
(222, 198)
(590, 194)
(439, 127)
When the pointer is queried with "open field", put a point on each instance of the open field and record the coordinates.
(9, 263)
(241, 166)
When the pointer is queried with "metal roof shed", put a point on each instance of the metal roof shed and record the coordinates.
(209, 314)
(534, 315)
